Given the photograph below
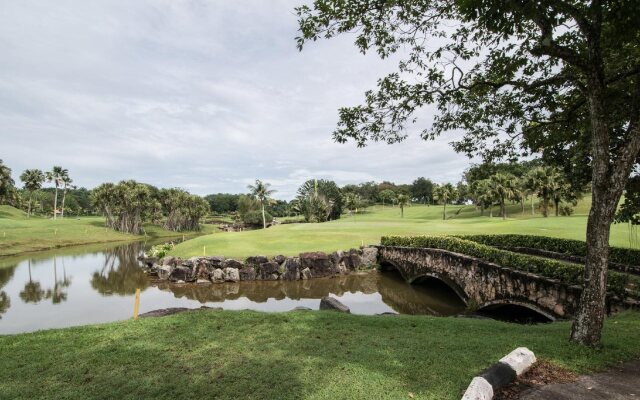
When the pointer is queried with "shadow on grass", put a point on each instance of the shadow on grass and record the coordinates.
(320, 355)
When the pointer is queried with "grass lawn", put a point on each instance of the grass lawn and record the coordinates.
(19, 234)
(367, 228)
(311, 355)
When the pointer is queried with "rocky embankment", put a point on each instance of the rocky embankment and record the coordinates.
(217, 269)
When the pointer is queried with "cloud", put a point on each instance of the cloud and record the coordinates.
(203, 95)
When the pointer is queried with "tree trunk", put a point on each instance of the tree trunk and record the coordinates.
(64, 196)
(587, 325)
(401, 211)
(557, 205)
(55, 204)
(532, 209)
(264, 220)
(29, 208)
(545, 204)
(444, 211)
(491, 211)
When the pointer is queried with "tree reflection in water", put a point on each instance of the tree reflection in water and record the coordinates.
(121, 273)
(57, 294)
(6, 273)
(33, 292)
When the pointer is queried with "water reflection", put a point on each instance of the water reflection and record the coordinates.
(98, 283)
(120, 273)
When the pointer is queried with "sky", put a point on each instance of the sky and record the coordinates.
(203, 95)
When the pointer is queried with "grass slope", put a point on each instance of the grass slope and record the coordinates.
(310, 355)
(367, 228)
(19, 234)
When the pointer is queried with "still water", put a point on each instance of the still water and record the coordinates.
(97, 284)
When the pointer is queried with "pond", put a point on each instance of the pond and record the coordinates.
(97, 284)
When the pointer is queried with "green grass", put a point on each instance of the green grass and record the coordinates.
(19, 234)
(367, 228)
(308, 355)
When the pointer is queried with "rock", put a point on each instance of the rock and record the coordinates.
(231, 275)
(369, 257)
(266, 271)
(202, 271)
(305, 274)
(163, 271)
(215, 261)
(301, 308)
(331, 303)
(181, 273)
(279, 259)
(232, 264)
(217, 276)
(388, 313)
(148, 261)
(318, 263)
(169, 260)
(352, 260)
(247, 274)
(291, 269)
(203, 281)
(256, 260)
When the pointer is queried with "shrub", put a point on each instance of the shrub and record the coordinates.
(619, 255)
(254, 218)
(564, 272)
(566, 210)
(160, 250)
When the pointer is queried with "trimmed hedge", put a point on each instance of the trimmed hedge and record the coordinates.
(567, 273)
(619, 255)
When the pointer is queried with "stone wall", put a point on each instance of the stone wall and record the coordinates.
(218, 269)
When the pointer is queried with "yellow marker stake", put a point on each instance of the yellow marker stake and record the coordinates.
(136, 305)
(204, 250)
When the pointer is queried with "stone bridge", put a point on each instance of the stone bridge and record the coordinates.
(480, 284)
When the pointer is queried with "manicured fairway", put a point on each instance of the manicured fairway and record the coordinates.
(367, 228)
(310, 355)
(19, 234)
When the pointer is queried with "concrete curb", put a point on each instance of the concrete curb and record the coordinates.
(499, 374)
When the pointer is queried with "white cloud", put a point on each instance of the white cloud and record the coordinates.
(202, 95)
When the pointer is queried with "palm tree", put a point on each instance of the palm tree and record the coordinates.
(33, 180)
(262, 193)
(502, 186)
(56, 175)
(402, 200)
(444, 193)
(6, 183)
(543, 180)
(387, 195)
(66, 182)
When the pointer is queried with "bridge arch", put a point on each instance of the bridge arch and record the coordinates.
(388, 265)
(497, 304)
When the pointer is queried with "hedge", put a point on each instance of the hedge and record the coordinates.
(619, 255)
(571, 274)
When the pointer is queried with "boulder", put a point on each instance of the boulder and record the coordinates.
(163, 271)
(215, 261)
(331, 303)
(148, 261)
(369, 257)
(247, 274)
(169, 260)
(266, 271)
(279, 259)
(232, 264)
(318, 264)
(291, 269)
(256, 260)
(202, 271)
(181, 273)
(305, 274)
(217, 275)
(231, 275)
(352, 260)
(202, 281)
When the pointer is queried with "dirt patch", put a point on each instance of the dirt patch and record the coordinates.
(175, 310)
(541, 373)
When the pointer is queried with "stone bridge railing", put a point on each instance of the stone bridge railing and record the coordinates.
(481, 284)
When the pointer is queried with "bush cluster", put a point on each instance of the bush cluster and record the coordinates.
(564, 272)
(566, 246)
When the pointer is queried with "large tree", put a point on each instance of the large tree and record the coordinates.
(7, 188)
(515, 76)
(32, 180)
(57, 176)
(422, 190)
(261, 192)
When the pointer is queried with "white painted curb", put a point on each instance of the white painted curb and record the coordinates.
(506, 370)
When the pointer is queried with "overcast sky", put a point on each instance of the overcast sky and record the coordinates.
(203, 95)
